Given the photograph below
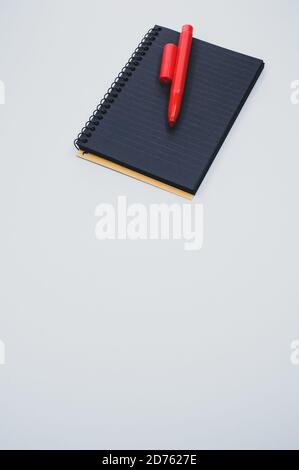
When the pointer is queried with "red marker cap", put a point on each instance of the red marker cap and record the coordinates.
(168, 63)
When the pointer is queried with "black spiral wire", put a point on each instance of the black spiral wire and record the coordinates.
(117, 86)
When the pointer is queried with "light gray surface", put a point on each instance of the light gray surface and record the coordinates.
(142, 344)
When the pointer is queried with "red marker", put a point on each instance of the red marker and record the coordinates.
(180, 73)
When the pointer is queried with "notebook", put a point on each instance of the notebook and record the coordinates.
(128, 130)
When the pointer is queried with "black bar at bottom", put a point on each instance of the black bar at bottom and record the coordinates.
(140, 458)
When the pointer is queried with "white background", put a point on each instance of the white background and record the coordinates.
(142, 344)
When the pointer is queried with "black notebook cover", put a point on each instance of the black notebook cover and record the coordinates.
(129, 127)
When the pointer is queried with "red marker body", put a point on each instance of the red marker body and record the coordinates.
(180, 74)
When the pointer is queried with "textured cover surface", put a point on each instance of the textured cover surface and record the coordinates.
(134, 131)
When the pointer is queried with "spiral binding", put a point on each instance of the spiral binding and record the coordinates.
(117, 85)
